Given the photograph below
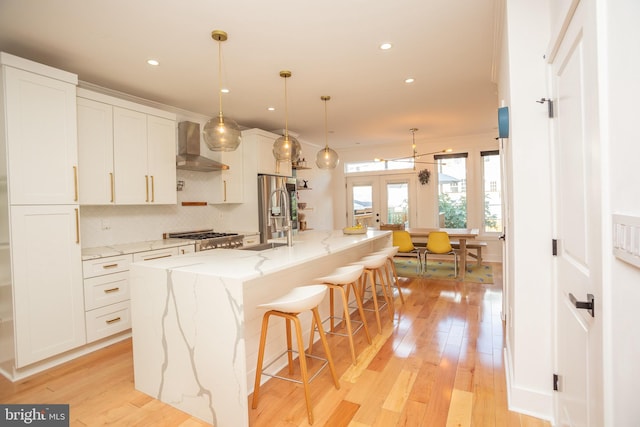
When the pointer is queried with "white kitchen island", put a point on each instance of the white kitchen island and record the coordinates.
(196, 325)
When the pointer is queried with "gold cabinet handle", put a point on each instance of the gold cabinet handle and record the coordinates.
(108, 291)
(146, 179)
(77, 225)
(153, 189)
(156, 257)
(75, 183)
(117, 319)
(113, 190)
(225, 189)
(110, 266)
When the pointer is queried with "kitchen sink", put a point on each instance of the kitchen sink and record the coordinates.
(264, 246)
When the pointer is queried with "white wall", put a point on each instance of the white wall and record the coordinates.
(528, 282)
(620, 68)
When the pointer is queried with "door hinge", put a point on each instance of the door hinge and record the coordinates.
(554, 247)
(556, 380)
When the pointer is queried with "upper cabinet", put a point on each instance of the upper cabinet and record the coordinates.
(137, 149)
(95, 152)
(263, 141)
(41, 137)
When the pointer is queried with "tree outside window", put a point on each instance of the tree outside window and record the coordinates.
(452, 194)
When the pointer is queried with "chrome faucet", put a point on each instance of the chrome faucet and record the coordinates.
(285, 216)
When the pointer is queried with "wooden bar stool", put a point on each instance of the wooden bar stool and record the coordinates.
(392, 273)
(288, 307)
(338, 280)
(374, 266)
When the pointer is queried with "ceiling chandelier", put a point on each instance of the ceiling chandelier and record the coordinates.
(286, 148)
(415, 157)
(326, 158)
(221, 133)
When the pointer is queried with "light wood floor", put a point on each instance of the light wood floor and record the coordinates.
(440, 363)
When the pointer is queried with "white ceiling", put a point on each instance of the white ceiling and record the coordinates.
(330, 46)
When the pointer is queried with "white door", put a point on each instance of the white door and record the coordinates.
(578, 223)
(161, 160)
(381, 199)
(130, 157)
(41, 138)
(47, 281)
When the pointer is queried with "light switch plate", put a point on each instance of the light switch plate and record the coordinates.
(626, 238)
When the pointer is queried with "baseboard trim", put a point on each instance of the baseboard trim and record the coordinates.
(526, 401)
(12, 374)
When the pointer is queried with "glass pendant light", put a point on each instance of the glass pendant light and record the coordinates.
(326, 158)
(286, 148)
(221, 133)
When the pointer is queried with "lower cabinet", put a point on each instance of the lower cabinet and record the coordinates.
(106, 296)
(47, 281)
(106, 290)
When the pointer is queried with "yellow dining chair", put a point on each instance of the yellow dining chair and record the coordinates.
(438, 243)
(402, 239)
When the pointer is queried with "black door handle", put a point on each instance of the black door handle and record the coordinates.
(584, 305)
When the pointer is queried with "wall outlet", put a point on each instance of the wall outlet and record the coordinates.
(105, 225)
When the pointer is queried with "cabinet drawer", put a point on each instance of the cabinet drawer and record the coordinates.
(100, 266)
(104, 290)
(108, 320)
(186, 249)
(156, 254)
(249, 241)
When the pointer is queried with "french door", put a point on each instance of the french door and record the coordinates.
(381, 199)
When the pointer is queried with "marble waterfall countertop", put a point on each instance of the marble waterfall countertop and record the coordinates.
(248, 264)
(130, 248)
(196, 321)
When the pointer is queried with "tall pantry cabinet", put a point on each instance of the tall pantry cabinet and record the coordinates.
(41, 290)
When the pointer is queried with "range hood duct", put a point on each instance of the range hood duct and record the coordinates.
(189, 157)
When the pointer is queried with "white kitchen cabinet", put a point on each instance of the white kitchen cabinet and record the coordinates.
(95, 152)
(144, 148)
(155, 254)
(106, 296)
(263, 141)
(250, 240)
(40, 132)
(39, 191)
(186, 249)
(229, 184)
(47, 281)
(127, 152)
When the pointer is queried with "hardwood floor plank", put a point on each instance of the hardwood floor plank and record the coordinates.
(460, 409)
(342, 415)
(443, 349)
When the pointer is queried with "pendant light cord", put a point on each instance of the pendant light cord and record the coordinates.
(286, 111)
(326, 129)
(220, 76)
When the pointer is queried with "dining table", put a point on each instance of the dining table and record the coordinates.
(460, 234)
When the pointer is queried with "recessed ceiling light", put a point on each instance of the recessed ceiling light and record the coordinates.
(223, 90)
(409, 80)
(153, 62)
(271, 108)
(385, 46)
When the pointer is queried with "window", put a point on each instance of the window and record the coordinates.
(354, 167)
(492, 217)
(452, 189)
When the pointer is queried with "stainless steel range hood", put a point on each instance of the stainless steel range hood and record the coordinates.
(189, 157)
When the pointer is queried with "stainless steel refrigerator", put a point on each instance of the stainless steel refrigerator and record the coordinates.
(271, 205)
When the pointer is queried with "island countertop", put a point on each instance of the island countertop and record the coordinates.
(248, 264)
(196, 321)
